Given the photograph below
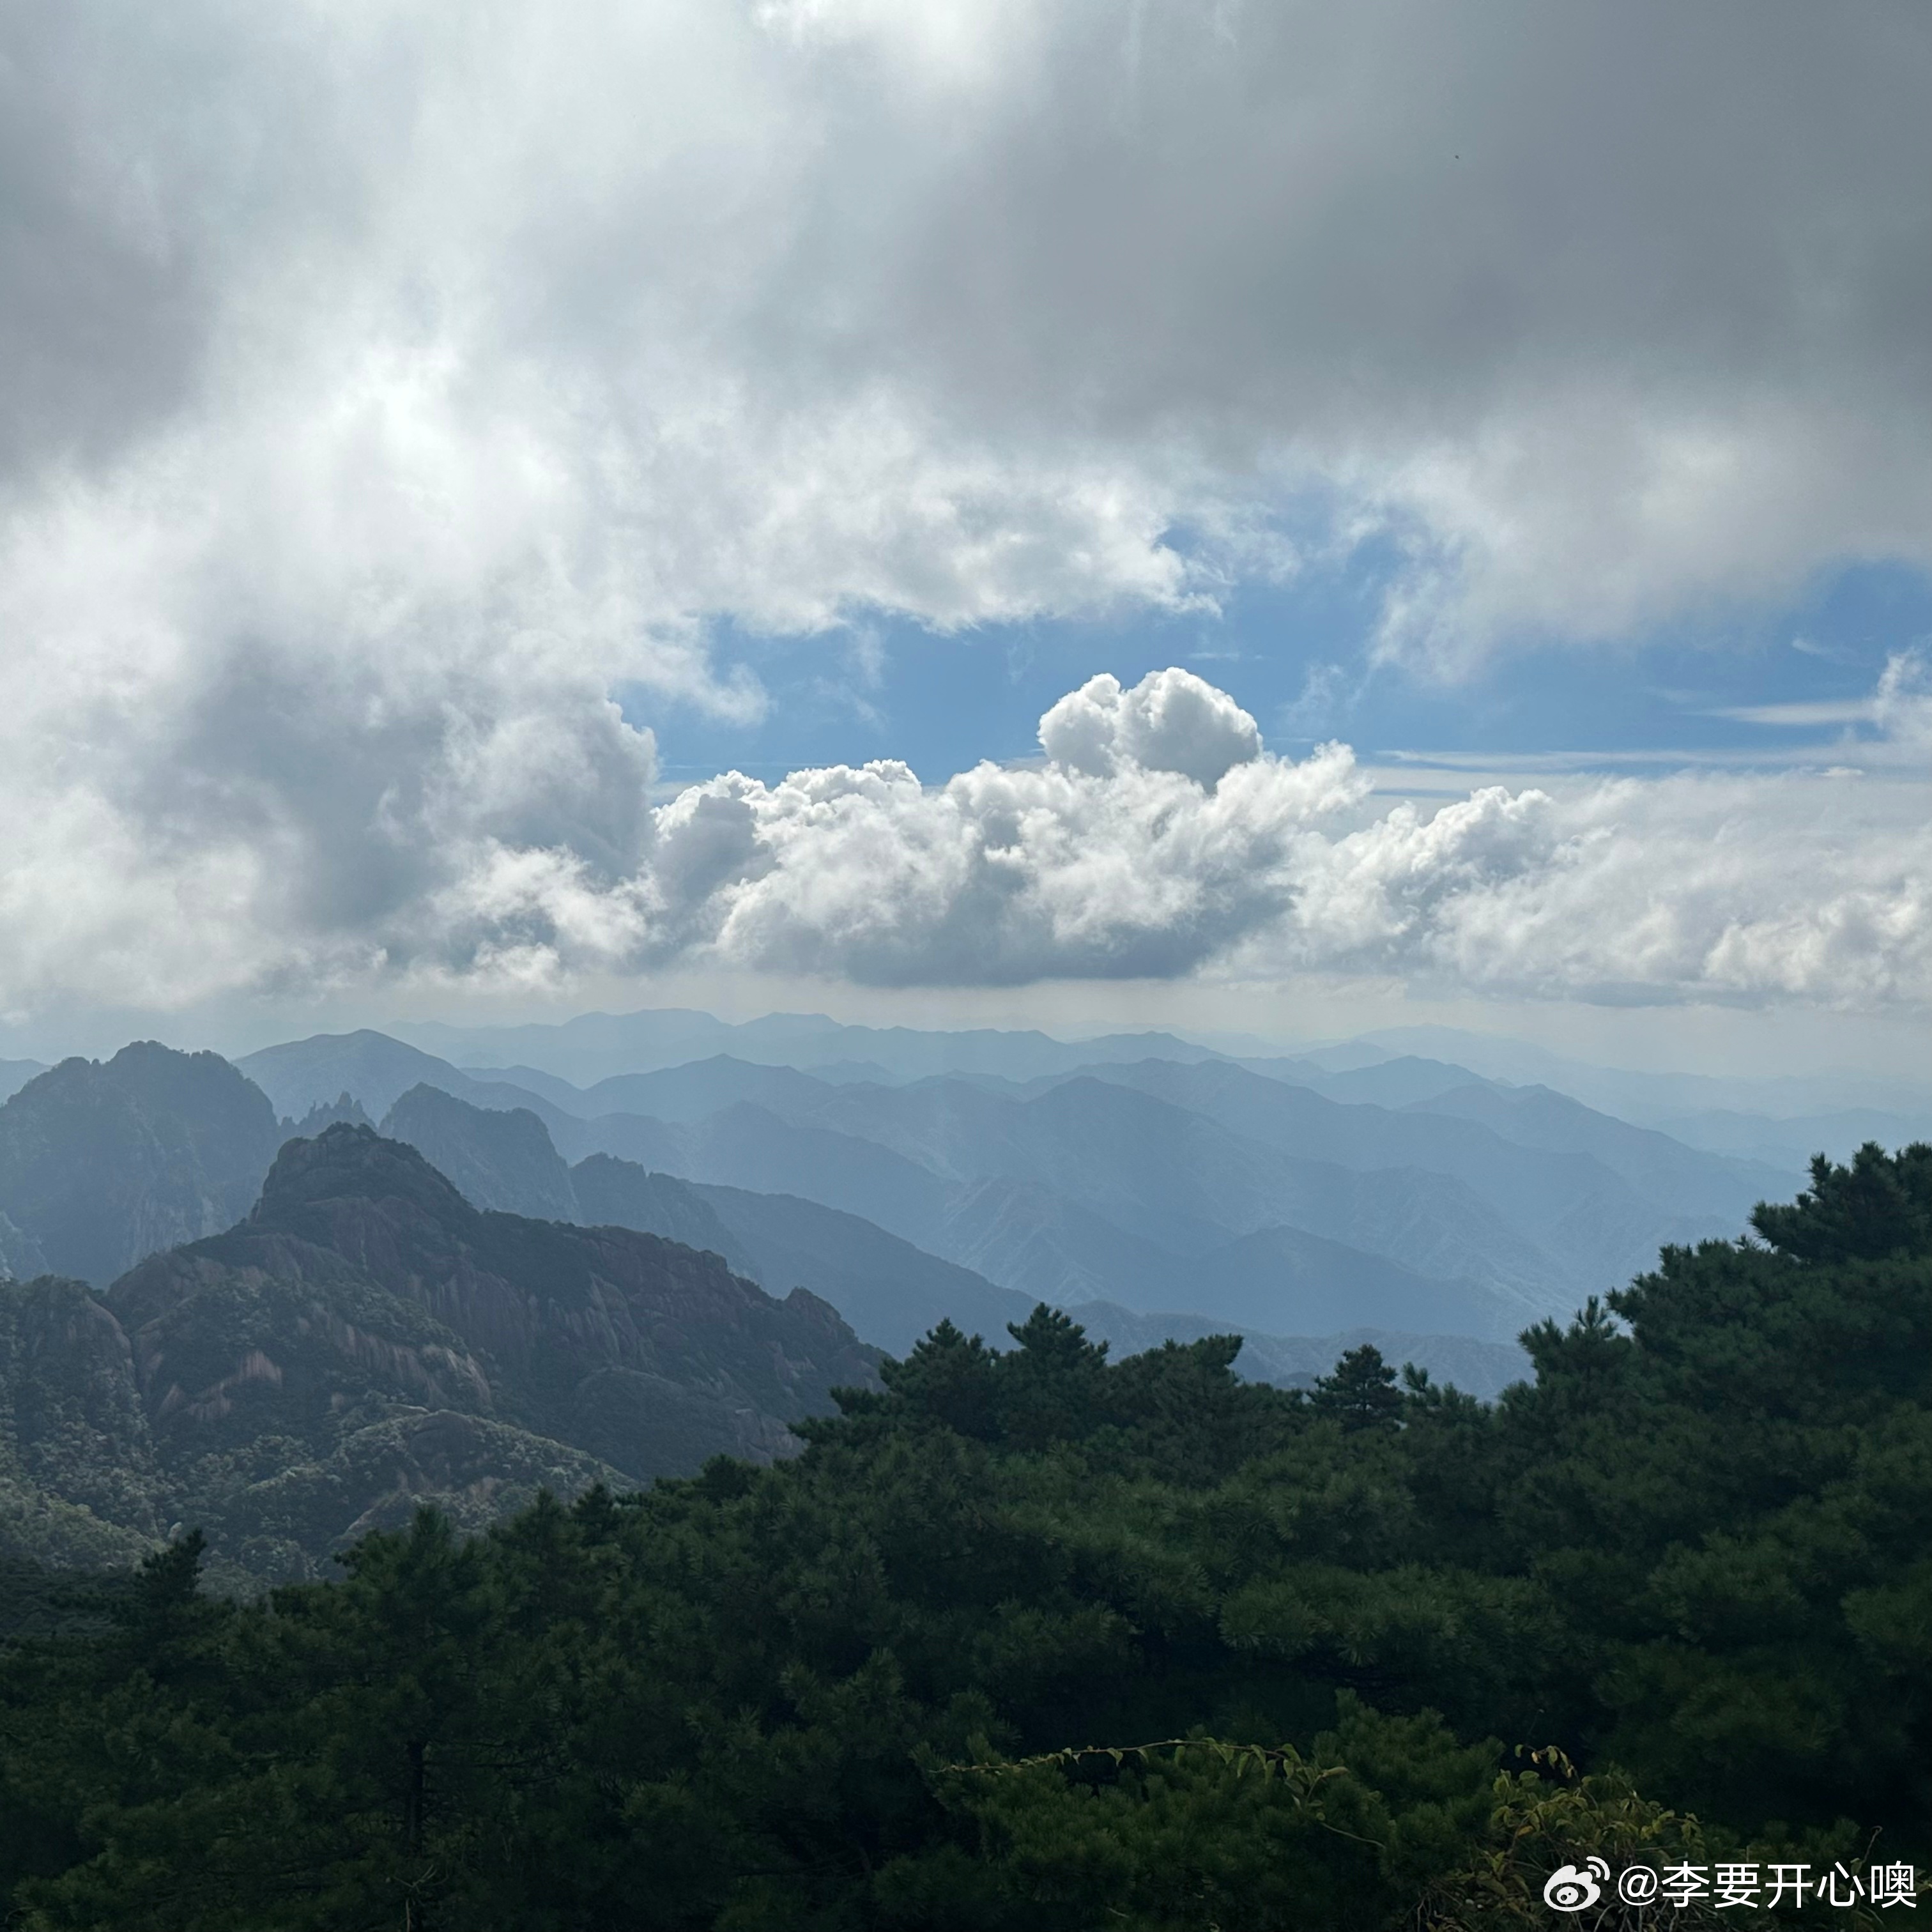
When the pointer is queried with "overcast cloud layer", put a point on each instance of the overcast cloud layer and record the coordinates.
(388, 384)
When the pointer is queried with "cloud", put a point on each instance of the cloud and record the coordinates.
(1159, 839)
(393, 383)
(1170, 722)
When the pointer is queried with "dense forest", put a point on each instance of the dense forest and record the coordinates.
(1030, 1637)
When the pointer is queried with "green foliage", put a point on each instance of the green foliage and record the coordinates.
(1361, 1393)
(894, 1682)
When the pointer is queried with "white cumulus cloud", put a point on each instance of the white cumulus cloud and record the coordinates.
(1158, 839)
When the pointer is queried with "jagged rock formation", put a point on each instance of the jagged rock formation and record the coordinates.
(325, 1113)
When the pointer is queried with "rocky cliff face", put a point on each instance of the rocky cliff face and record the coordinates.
(365, 1340)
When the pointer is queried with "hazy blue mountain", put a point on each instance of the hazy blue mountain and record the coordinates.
(344, 1108)
(373, 1069)
(1286, 1282)
(595, 1046)
(502, 1158)
(1171, 1176)
(1029, 1238)
(1789, 1144)
(748, 1147)
(699, 1088)
(1680, 1179)
(891, 1291)
(14, 1074)
(1278, 1281)
(313, 1078)
(1534, 1154)
(617, 1193)
(592, 1046)
(1398, 1082)
(560, 1094)
(1114, 1181)
(1647, 1099)
(1598, 1195)
(102, 1162)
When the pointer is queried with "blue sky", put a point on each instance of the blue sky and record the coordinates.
(1297, 656)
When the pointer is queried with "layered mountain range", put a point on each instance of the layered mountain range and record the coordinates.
(287, 1297)
(1410, 1194)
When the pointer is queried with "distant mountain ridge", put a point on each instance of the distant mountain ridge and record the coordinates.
(596, 1045)
(1105, 1181)
(893, 1292)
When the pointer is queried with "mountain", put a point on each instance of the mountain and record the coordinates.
(1086, 1190)
(367, 1067)
(643, 1351)
(345, 1107)
(20, 1256)
(595, 1046)
(1649, 1099)
(495, 1158)
(1398, 1082)
(1171, 1176)
(1112, 1181)
(14, 1074)
(367, 1339)
(698, 1087)
(79, 1483)
(1027, 1238)
(1789, 1144)
(1287, 1282)
(889, 1290)
(616, 1193)
(1278, 1288)
(1597, 1195)
(750, 1147)
(102, 1162)
(1679, 1178)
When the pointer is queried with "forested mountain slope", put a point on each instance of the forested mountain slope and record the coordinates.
(853, 1690)
(367, 1339)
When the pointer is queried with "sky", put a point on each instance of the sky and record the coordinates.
(1283, 516)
